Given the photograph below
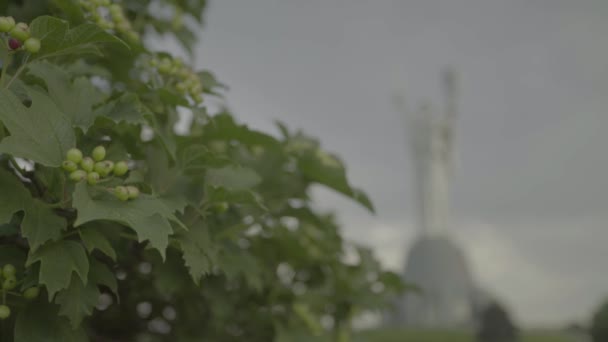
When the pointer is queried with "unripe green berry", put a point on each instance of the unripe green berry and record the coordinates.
(178, 62)
(6, 24)
(133, 37)
(5, 312)
(221, 207)
(192, 77)
(257, 150)
(99, 153)
(74, 155)
(184, 72)
(109, 165)
(32, 45)
(100, 167)
(31, 293)
(197, 98)
(105, 24)
(164, 67)
(218, 146)
(190, 82)
(78, 175)
(115, 10)
(104, 168)
(196, 89)
(121, 168)
(9, 283)
(69, 166)
(133, 192)
(8, 270)
(87, 164)
(177, 22)
(88, 5)
(121, 193)
(158, 108)
(20, 31)
(123, 26)
(93, 178)
(181, 87)
(119, 18)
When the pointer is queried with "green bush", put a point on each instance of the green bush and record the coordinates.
(599, 324)
(113, 227)
(496, 325)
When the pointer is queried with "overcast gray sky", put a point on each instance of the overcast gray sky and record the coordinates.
(530, 190)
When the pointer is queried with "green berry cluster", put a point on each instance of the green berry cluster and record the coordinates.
(94, 168)
(125, 193)
(110, 16)
(8, 279)
(180, 76)
(19, 35)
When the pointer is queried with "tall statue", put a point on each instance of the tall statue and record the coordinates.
(434, 262)
(431, 141)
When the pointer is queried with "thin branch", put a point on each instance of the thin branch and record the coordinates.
(5, 64)
(59, 204)
(21, 68)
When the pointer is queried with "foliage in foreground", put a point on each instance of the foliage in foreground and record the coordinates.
(113, 227)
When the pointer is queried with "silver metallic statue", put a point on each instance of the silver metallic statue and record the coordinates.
(448, 297)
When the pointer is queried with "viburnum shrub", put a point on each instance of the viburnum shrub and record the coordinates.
(114, 226)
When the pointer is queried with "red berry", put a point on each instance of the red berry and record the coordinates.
(14, 44)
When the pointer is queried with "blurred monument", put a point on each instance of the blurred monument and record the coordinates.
(449, 297)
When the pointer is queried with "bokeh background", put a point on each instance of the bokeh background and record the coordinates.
(530, 195)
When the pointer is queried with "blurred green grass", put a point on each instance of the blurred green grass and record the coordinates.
(445, 336)
(411, 335)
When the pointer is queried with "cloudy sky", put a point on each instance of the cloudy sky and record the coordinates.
(530, 193)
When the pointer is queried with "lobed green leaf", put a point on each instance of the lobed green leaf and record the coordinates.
(41, 132)
(232, 177)
(58, 260)
(77, 300)
(57, 39)
(147, 215)
(198, 250)
(74, 98)
(40, 224)
(93, 239)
